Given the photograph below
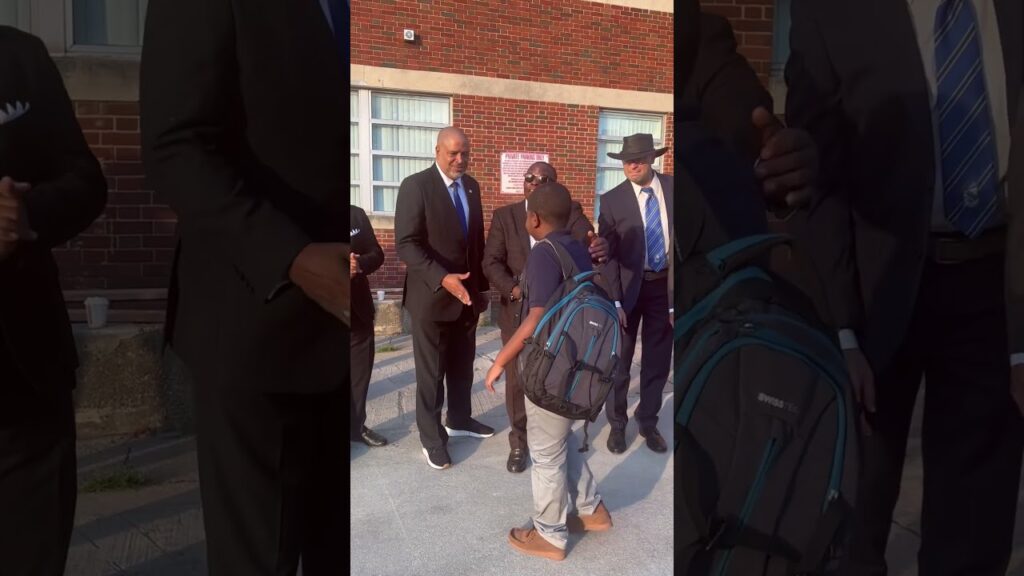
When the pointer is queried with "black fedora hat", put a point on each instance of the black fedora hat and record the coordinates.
(637, 146)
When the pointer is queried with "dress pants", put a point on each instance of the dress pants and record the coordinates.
(971, 440)
(560, 474)
(272, 481)
(652, 310)
(515, 398)
(361, 363)
(38, 476)
(443, 351)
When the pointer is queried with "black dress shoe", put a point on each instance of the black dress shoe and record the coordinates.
(516, 460)
(654, 440)
(372, 439)
(617, 441)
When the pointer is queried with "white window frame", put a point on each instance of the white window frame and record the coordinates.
(606, 162)
(24, 22)
(365, 149)
(69, 35)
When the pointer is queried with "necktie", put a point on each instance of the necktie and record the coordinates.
(966, 132)
(336, 23)
(653, 232)
(459, 209)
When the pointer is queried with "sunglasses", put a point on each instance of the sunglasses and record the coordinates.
(534, 179)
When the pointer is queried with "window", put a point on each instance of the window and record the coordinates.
(15, 13)
(110, 25)
(392, 136)
(612, 127)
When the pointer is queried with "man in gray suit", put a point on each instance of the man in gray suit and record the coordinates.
(911, 104)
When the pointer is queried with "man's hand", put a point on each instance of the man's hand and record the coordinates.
(14, 224)
(863, 380)
(1017, 386)
(319, 272)
(788, 163)
(492, 376)
(353, 265)
(622, 318)
(517, 293)
(453, 284)
(598, 248)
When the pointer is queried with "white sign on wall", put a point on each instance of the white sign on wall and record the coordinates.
(513, 166)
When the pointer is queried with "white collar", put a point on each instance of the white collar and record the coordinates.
(655, 185)
(447, 181)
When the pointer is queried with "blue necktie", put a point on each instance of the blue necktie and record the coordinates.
(653, 232)
(459, 209)
(336, 23)
(966, 132)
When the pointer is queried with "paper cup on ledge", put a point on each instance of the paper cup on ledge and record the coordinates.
(380, 295)
(96, 311)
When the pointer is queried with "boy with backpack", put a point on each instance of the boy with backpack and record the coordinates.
(569, 340)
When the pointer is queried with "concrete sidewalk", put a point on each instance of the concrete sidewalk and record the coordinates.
(411, 520)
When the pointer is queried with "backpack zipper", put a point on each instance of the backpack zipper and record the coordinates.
(767, 459)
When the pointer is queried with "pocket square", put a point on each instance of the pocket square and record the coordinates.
(11, 112)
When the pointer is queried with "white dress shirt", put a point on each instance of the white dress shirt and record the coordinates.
(462, 192)
(641, 200)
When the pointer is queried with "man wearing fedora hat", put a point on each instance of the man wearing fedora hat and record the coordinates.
(636, 219)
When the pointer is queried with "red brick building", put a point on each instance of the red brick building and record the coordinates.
(566, 79)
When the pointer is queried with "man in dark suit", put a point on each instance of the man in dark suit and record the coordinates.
(259, 291)
(911, 105)
(636, 219)
(51, 189)
(439, 235)
(508, 245)
(365, 259)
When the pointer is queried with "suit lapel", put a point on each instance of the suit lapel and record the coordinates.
(1010, 14)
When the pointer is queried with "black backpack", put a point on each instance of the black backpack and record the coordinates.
(765, 426)
(569, 362)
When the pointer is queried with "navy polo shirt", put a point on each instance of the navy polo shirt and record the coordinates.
(544, 271)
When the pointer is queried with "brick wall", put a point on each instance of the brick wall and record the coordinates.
(572, 42)
(132, 244)
(753, 24)
(567, 133)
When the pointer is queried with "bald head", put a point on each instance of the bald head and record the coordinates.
(452, 152)
(537, 174)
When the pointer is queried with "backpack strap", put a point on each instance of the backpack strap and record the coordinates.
(569, 269)
(728, 257)
(829, 524)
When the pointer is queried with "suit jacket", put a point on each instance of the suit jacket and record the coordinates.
(250, 165)
(508, 246)
(723, 88)
(371, 256)
(857, 84)
(45, 148)
(621, 223)
(430, 242)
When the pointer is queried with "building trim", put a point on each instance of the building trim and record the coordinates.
(103, 78)
(652, 5)
(464, 84)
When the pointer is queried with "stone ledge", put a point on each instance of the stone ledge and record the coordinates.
(127, 384)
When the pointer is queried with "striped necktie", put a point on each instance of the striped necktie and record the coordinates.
(653, 232)
(966, 132)
(459, 209)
